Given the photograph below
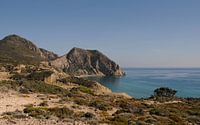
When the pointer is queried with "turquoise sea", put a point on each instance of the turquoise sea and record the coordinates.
(141, 82)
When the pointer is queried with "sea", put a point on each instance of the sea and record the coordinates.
(141, 82)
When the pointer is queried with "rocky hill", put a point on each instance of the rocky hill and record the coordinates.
(87, 62)
(18, 50)
(15, 49)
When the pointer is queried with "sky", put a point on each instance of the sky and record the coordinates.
(134, 33)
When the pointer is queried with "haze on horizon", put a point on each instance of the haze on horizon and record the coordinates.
(138, 33)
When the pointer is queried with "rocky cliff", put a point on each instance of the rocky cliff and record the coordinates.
(87, 62)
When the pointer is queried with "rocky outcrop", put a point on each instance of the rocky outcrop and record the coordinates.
(15, 49)
(87, 62)
(48, 54)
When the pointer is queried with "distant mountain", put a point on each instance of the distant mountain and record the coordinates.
(87, 62)
(15, 49)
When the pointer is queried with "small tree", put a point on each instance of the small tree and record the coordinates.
(164, 92)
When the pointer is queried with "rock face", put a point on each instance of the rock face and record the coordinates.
(87, 62)
(48, 55)
(15, 49)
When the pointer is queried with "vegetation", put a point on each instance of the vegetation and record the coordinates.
(101, 105)
(39, 112)
(34, 86)
(125, 111)
(164, 92)
(85, 89)
(79, 81)
(39, 76)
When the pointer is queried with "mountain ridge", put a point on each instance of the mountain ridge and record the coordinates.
(16, 49)
(78, 61)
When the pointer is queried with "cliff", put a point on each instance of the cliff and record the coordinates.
(87, 62)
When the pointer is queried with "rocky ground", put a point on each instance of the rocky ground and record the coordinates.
(41, 96)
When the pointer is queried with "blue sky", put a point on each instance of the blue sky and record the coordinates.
(134, 33)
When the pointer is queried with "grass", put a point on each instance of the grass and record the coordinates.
(85, 89)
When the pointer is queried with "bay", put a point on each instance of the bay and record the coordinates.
(141, 82)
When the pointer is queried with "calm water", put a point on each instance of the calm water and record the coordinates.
(141, 82)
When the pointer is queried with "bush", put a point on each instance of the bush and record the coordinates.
(121, 119)
(34, 86)
(85, 89)
(44, 103)
(36, 112)
(39, 112)
(89, 115)
(101, 105)
(164, 92)
(79, 81)
(40, 76)
(41, 87)
(81, 101)
(159, 112)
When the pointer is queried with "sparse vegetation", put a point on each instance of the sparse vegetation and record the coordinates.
(163, 108)
(34, 86)
(39, 112)
(101, 105)
(85, 89)
(39, 75)
(79, 81)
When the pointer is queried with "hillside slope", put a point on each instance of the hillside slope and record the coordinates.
(15, 49)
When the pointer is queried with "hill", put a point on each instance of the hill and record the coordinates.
(15, 49)
(87, 62)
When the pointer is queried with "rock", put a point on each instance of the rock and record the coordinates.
(100, 89)
(48, 54)
(87, 62)
(2, 69)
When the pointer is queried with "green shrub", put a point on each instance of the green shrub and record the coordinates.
(81, 101)
(40, 76)
(159, 112)
(18, 76)
(79, 81)
(34, 86)
(61, 112)
(41, 87)
(10, 84)
(122, 119)
(101, 105)
(44, 103)
(39, 112)
(89, 115)
(164, 92)
(85, 89)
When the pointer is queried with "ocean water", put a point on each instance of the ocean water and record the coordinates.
(141, 82)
